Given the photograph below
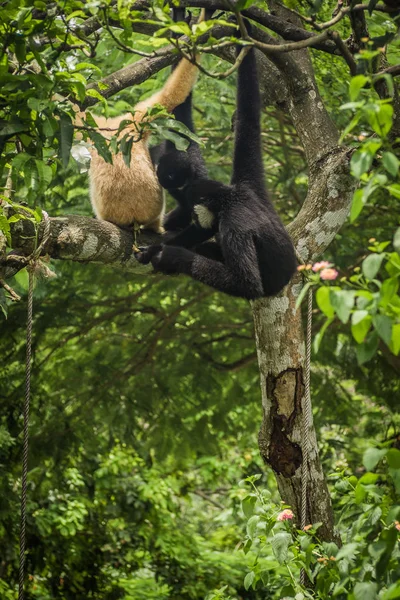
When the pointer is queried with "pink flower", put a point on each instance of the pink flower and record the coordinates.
(329, 274)
(397, 525)
(285, 515)
(320, 265)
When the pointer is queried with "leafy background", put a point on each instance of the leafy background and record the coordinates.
(145, 392)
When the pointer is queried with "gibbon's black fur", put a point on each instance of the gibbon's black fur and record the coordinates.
(177, 169)
(258, 257)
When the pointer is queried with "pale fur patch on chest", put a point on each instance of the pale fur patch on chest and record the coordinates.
(205, 216)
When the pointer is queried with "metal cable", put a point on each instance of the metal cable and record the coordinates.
(28, 368)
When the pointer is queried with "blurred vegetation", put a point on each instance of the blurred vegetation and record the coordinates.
(145, 391)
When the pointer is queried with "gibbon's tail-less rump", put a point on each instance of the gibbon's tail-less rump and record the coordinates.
(255, 256)
(132, 195)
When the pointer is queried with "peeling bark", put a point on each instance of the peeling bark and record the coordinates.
(281, 354)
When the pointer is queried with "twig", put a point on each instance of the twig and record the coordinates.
(394, 70)
(345, 52)
(344, 11)
(291, 46)
(13, 294)
(214, 75)
(205, 497)
(125, 48)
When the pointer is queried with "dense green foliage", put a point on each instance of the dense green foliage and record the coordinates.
(145, 391)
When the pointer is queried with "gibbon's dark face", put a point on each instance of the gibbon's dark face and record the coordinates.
(174, 170)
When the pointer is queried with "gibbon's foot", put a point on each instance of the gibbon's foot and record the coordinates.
(146, 254)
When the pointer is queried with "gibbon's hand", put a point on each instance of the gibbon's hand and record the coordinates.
(170, 259)
(145, 254)
(164, 262)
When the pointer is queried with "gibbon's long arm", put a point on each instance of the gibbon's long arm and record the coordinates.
(175, 91)
(178, 86)
(247, 160)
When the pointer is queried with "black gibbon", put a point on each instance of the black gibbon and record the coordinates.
(177, 169)
(132, 195)
(256, 256)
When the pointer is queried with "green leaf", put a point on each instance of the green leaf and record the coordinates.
(369, 479)
(359, 493)
(5, 228)
(251, 526)
(93, 93)
(372, 456)
(323, 300)
(367, 590)
(244, 4)
(280, 546)
(353, 123)
(346, 551)
(391, 163)
(395, 341)
(302, 294)
(380, 117)
(357, 204)
(396, 240)
(248, 580)
(248, 505)
(393, 458)
(126, 149)
(361, 163)
(383, 325)
(395, 475)
(3, 303)
(66, 137)
(394, 190)
(371, 265)
(320, 334)
(368, 349)
(7, 129)
(180, 142)
(389, 538)
(388, 290)
(45, 173)
(356, 85)
(343, 302)
(360, 325)
(392, 593)
(101, 145)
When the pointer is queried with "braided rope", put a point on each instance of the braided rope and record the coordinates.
(28, 368)
(307, 422)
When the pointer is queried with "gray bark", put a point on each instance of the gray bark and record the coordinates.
(82, 239)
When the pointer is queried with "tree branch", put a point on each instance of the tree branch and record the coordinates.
(83, 239)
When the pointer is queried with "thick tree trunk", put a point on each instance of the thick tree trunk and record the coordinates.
(278, 325)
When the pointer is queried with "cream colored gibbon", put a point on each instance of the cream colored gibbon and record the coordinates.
(132, 196)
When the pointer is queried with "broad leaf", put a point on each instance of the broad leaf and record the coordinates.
(280, 545)
(371, 265)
